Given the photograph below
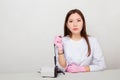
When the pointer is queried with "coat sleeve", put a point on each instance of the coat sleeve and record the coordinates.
(98, 62)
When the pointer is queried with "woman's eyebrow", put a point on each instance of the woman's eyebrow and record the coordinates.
(78, 18)
(73, 19)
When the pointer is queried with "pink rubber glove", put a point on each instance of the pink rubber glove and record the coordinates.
(74, 68)
(58, 42)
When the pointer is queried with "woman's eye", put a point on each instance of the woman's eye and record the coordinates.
(70, 21)
(78, 20)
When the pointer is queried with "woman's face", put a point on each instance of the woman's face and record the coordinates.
(75, 23)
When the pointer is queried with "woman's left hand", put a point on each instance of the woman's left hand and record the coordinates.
(73, 68)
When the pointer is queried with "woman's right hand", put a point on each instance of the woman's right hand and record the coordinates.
(58, 42)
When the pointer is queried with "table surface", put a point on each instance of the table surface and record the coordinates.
(101, 75)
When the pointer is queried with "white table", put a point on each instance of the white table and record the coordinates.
(102, 75)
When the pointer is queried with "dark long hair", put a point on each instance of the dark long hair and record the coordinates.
(83, 32)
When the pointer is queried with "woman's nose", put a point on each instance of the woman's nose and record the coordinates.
(75, 24)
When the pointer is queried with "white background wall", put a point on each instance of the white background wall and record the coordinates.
(28, 27)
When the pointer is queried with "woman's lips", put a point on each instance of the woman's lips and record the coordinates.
(75, 29)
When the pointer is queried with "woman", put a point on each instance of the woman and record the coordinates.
(76, 51)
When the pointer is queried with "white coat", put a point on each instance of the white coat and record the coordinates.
(76, 52)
